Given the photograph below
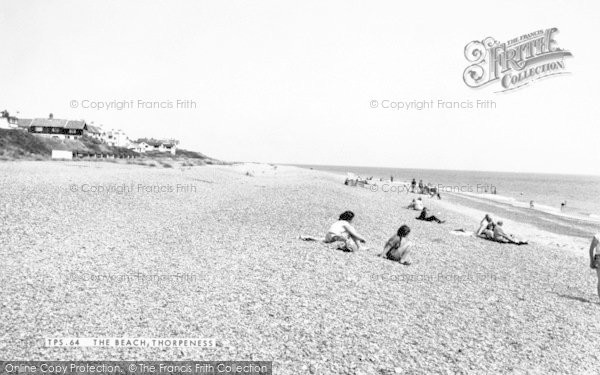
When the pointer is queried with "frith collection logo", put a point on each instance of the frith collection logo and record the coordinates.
(515, 63)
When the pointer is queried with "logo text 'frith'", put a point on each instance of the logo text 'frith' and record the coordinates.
(515, 63)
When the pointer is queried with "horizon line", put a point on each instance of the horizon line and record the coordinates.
(449, 170)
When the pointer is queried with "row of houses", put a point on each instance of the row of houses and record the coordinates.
(143, 145)
(74, 129)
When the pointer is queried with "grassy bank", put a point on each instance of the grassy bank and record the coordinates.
(20, 145)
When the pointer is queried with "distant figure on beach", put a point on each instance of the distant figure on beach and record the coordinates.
(427, 189)
(416, 204)
(421, 186)
(342, 231)
(563, 205)
(424, 217)
(486, 227)
(413, 185)
(531, 205)
(493, 190)
(501, 236)
(595, 257)
(391, 178)
(433, 192)
(397, 248)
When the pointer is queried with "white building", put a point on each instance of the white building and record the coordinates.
(7, 121)
(140, 147)
(4, 124)
(61, 154)
(94, 132)
(116, 138)
(149, 145)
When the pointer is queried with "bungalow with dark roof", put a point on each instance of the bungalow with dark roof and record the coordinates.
(76, 129)
(57, 128)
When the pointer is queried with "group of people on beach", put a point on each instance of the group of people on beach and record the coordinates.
(492, 230)
(428, 189)
(342, 232)
(398, 247)
(417, 204)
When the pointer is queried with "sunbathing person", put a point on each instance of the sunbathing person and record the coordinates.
(342, 231)
(424, 217)
(488, 231)
(501, 236)
(486, 227)
(416, 204)
(397, 248)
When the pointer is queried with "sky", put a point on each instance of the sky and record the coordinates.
(293, 82)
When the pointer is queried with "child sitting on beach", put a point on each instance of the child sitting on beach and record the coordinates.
(424, 217)
(342, 231)
(397, 248)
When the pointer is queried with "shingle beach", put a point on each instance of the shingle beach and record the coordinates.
(225, 240)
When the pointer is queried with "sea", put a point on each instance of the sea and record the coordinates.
(515, 193)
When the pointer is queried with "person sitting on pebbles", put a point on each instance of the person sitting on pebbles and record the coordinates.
(342, 231)
(424, 217)
(501, 236)
(486, 227)
(416, 204)
(397, 248)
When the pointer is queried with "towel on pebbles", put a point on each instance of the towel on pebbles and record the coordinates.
(461, 232)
